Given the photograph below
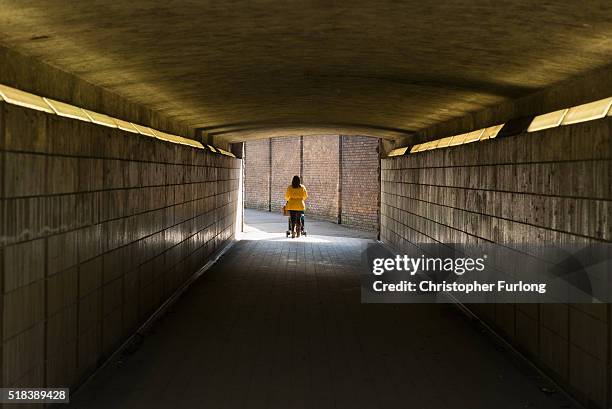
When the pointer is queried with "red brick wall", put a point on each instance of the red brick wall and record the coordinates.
(360, 182)
(321, 175)
(319, 165)
(257, 179)
(285, 164)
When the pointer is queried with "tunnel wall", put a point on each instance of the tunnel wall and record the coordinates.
(341, 174)
(99, 226)
(552, 186)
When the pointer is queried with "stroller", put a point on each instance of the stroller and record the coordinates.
(303, 229)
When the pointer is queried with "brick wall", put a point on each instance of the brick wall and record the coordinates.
(319, 166)
(321, 176)
(285, 164)
(98, 228)
(257, 180)
(552, 186)
(360, 182)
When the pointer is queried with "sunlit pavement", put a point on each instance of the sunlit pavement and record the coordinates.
(273, 226)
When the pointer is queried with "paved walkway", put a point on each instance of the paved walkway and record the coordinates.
(266, 225)
(278, 324)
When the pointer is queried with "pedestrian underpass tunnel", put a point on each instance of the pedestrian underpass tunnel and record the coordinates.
(145, 149)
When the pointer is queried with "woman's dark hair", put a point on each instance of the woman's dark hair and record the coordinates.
(296, 181)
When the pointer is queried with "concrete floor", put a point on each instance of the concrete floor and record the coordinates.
(277, 323)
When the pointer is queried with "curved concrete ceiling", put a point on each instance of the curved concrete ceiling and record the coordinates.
(250, 69)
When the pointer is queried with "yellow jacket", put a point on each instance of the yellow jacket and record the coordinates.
(295, 197)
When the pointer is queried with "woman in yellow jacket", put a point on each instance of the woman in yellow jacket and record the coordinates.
(295, 196)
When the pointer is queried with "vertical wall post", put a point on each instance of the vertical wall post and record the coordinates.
(270, 174)
(302, 158)
(241, 198)
(378, 211)
(340, 177)
(2, 196)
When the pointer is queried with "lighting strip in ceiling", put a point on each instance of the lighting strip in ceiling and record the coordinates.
(455, 140)
(67, 110)
(587, 112)
(569, 116)
(398, 151)
(226, 153)
(145, 130)
(24, 99)
(546, 121)
(101, 119)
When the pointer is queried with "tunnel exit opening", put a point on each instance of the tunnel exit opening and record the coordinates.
(341, 174)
